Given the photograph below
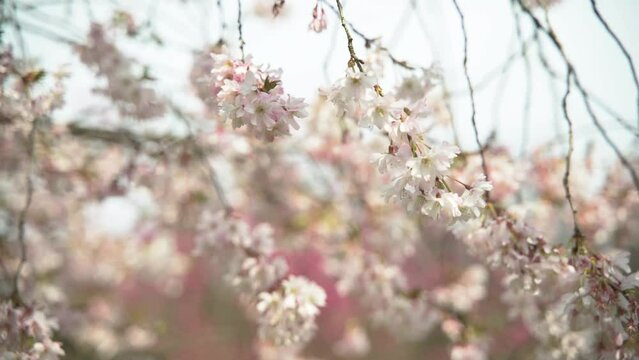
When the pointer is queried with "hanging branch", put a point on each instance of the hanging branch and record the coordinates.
(329, 54)
(239, 27)
(623, 49)
(1, 20)
(595, 100)
(22, 217)
(368, 41)
(550, 33)
(472, 92)
(354, 60)
(446, 92)
(222, 19)
(18, 29)
(201, 154)
(528, 71)
(566, 180)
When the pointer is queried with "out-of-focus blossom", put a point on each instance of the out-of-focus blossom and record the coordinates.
(123, 87)
(287, 315)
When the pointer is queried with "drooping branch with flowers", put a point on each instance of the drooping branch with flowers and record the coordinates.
(148, 212)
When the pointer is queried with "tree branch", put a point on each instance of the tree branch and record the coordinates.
(22, 217)
(623, 49)
(471, 91)
(239, 27)
(566, 180)
(354, 60)
(550, 33)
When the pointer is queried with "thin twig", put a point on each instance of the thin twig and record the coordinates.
(201, 154)
(239, 27)
(329, 54)
(595, 100)
(571, 140)
(623, 49)
(354, 60)
(368, 41)
(624, 162)
(22, 217)
(550, 33)
(18, 29)
(446, 93)
(528, 71)
(1, 21)
(222, 19)
(471, 91)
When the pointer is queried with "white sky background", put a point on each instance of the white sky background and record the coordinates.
(285, 42)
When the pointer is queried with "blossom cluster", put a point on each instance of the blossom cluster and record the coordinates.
(26, 334)
(418, 166)
(423, 176)
(112, 213)
(588, 294)
(412, 313)
(287, 315)
(253, 96)
(250, 265)
(123, 87)
(288, 307)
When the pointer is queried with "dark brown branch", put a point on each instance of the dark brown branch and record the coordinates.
(2, 19)
(550, 33)
(18, 29)
(471, 91)
(528, 71)
(222, 19)
(369, 41)
(595, 100)
(354, 60)
(202, 155)
(239, 27)
(624, 162)
(623, 49)
(566, 180)
(22, 217)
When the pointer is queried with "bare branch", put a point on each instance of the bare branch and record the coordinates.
(550, 33)
(22, 217)
(471, 91)
(354, 60)
(239, 27)
(201, 154)
(566, 180)
(368, 41)
(623, 49)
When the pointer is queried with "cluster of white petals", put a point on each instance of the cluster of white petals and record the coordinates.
(567, 299)
(287, 308)
(418, 166)
(252, 96)
(287, 314)
(25, 334)
(512, 246)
